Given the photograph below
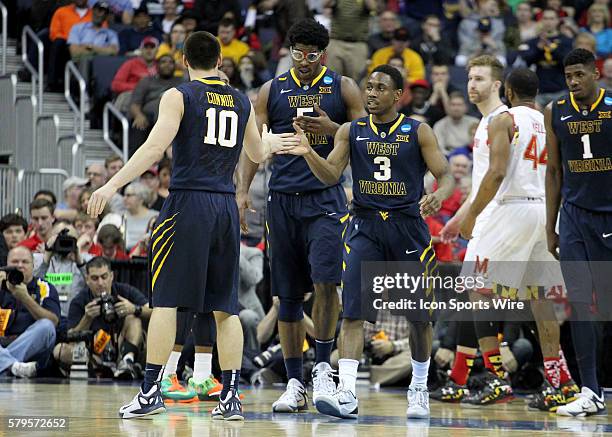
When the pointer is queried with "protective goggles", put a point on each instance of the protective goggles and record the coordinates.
(299, 55)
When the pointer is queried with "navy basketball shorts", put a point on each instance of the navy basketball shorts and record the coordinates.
(194, 254)
(388, 242)
(585, 249)
(305, 239)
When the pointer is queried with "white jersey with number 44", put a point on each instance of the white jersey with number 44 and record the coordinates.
(527, 164)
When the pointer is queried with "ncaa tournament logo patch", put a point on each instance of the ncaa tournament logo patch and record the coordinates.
(327, 80)
(406, 128)
(608, 101)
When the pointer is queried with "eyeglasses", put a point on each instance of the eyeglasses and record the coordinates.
(299, 55)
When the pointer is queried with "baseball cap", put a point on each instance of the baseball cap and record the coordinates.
(484, 25)
(74, 181)
(401, 34)
(102, 4)
(420, 83)
(149, 40)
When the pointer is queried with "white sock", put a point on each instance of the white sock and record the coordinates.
(171, 364)
(419, 373)
(348, 373)
(202, 367)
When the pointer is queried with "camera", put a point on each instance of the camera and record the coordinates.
(13, 276)
(107, 308)
(64, 243)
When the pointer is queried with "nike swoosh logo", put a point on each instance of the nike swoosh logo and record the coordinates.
(288, 91)
(330, 213)
(345, 403)
(362, 138)
(566, 117)
(411, 251)
(606, 235)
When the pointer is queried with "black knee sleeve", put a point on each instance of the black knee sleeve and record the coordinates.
(204, 329)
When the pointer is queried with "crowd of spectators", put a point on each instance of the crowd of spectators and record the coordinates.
(430, 43)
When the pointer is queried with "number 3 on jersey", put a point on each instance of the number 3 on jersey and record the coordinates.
(531, 153)
(224, 118)
(384, 164)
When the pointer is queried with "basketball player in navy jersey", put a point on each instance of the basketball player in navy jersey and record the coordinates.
(195, 244)
(305, 217)
(579, 173)
(389, 156)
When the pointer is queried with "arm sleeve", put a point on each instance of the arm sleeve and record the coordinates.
(73, 37)
(56, 25)
(120, 81)
(132, 294)
(76, 311)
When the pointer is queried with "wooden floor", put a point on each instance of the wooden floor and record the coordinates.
(91, 408)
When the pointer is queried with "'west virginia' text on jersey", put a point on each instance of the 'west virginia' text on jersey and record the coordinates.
(289, 98)
(209, 140)
(585, 144)
(387, 166)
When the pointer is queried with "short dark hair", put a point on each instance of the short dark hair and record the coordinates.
(42, 203)
(456, 95)
(13, 220)
(227, 22)
(51, 194)
(523, 82)
(310, 33)
(395, 74)
(110, 232)
(98, 262)
(112, 159)
(164, 163)
(202, 50)
(579, 56)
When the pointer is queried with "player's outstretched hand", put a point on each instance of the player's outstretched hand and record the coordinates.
(429, 204)
(99, 199)
(552, 239)
(450, 231)
(302, 148)
(279, 142)
(322, 125)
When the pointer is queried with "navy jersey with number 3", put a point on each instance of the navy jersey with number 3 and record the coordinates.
(209, 140)
(585, 144)
(387, 165)
(289, 98)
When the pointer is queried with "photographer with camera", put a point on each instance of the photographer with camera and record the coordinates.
(29, 313)
(113, 312)
(63, 263)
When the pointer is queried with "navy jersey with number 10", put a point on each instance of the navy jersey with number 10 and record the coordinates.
(388, 167)
(209, 140)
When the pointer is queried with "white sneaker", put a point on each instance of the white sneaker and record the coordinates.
(293, 400)
(418, 402)
(322, 381)
(24, 370)
(343, 403)
(587, 403)
(144, 404)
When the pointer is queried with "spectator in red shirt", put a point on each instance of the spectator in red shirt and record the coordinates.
(41, 217)
(130, 73)
(111, 242)
(87, 225)
(460, 167)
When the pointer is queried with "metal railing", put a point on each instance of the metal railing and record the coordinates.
(18, 186)
(4, 13)
(110, 109)
(78, 160)
(38, 75)
(8, 182)
(47, 136)
(78, 110)
(8, 95)
(25, 128)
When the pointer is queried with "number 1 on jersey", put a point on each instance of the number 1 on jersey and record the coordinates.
(225, 117)
(586, 145)
(531, 153)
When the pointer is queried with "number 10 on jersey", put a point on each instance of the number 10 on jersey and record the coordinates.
(223, 118)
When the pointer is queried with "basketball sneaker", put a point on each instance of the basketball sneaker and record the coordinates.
(547, 399)
(495, 390)
(229, 408)
(418, 402)
(144, 404)
(172, 389)
(322, 381)
(570, 389)
(450, 392)
(587, 403)
(125, 370)
(343, 403)
(207, 390)
(293, 400)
